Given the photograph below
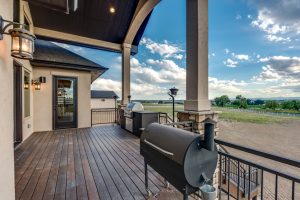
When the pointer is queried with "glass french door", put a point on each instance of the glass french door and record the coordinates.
(65, 102)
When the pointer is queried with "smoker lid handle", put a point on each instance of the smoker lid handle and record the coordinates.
(158, 148)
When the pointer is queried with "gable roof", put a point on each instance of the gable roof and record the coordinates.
(101, 94)
(48, 54)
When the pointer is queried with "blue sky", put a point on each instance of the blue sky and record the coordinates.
(253, 50)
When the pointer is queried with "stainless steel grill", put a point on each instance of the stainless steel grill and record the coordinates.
(128, 114)
(183, 158)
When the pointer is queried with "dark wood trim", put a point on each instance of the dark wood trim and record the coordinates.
(54, 126)
(16, 10)
(18, 102)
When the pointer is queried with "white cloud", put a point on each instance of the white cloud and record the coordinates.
(274, 38)
(243, 57)
(165, 49)
(267, 74)
(230, 63)
(107, 84)
(279, 68)
(264, 59)
(277, 17)
(138, 90)
(230, 87)
(266, 23)
(227, 51)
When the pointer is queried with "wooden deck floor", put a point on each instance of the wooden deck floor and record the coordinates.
(92, 163)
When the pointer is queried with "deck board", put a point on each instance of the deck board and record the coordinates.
(91, 163)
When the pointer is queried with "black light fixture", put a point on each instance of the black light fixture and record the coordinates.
(129, 98)
(22, 41)
(42, 79)
(173, 91)
(172, 94)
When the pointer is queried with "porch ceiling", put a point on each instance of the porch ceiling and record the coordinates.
(92, 20)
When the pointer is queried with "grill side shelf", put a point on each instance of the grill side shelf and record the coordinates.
(167, 153)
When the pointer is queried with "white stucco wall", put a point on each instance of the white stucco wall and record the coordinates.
(7, 189)
(42, 114)
(102, 103)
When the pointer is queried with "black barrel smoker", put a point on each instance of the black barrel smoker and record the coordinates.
(184, 159)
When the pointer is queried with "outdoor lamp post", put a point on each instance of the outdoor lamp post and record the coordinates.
(129, 98)
(172, 94)
(22, 41)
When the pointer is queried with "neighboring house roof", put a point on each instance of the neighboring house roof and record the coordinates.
(48, 54)
(101, 94)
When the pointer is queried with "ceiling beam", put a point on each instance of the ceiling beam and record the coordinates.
(75, 39)
(142, 11)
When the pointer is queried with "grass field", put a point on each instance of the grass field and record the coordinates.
(229, 115)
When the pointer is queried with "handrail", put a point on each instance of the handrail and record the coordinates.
(104, 116)
(267, 169)
(166, 116)
(288, 161)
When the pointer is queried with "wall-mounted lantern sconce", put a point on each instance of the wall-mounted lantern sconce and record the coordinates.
(37, 83)
(26, 85)
(22, 41)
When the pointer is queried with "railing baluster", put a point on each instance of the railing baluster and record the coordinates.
(220, 177)
(262, 185)
(244, 184)
(238, 185)
(228, 181)
(293, 190)
(249, 184)
(276, 187)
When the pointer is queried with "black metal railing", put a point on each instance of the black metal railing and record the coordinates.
(252, 183)
(104, 116)
(241, 178)
(164, 118)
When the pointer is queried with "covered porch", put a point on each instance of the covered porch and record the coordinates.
(101, 162)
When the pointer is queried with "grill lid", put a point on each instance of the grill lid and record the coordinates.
(135, 107)
(174, 142)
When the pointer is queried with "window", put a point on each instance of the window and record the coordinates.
(26, 94)
(26, 22)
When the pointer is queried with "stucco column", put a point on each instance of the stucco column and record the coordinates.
(197, 56)
(125, 73)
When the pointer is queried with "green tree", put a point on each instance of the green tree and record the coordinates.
(272, 105)
(241, 102)
(290, 105)
(222, 100)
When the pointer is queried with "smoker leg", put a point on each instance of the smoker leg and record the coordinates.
(185, 195)
(167, 184)
(146, 180)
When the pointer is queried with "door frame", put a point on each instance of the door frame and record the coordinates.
(54, 103)
(18, 102)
